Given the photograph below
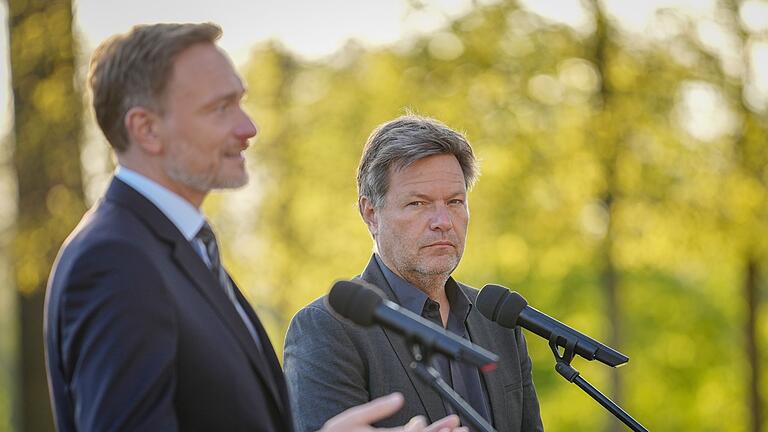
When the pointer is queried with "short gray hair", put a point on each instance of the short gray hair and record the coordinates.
(398, 143)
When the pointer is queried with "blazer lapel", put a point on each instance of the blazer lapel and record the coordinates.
(274, 370)
(480, 332)
(193, 266)
(208, 286)
(430, 399)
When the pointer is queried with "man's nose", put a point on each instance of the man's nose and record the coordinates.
(441, 218)
(246, 128)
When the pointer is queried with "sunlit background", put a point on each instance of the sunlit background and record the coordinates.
(624, 186)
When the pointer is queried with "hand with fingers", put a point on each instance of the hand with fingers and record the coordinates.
(359, 418)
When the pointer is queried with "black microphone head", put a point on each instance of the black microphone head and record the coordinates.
(355, 300)
(499, 304)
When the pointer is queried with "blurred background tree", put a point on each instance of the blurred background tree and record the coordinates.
(47, 124)
(596, 202)
(606, 198)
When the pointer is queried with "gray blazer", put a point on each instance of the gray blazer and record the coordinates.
(332, 364)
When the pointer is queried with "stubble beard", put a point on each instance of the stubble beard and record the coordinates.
(428, 277)
(203, 182)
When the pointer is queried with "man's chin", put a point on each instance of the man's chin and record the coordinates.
(230, 183)
(440, 265)
(206, 182)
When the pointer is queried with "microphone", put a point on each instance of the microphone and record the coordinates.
(509, 309)
(365, 305)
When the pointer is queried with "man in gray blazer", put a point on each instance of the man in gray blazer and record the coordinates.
(413, 180)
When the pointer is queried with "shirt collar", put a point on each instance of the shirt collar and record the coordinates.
(187, 218)
(414, 299)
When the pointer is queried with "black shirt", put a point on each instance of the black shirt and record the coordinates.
(463, 378)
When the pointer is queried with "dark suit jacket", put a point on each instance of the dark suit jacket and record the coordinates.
(139, 334)
(332, 364)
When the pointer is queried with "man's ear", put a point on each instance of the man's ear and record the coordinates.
(143, 127)
(369, 214)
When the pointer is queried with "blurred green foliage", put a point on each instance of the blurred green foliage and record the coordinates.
(584, 160)
(591, 177)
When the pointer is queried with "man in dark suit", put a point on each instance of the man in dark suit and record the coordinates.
(145, 330)
(413, 179)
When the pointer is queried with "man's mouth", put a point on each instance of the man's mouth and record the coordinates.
(441, 244)
(237, 152)
(235, 155)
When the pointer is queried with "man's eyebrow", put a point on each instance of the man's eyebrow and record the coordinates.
(228, 96)
(426, 196)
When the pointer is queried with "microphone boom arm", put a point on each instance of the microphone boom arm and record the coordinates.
(564, 368)
(431, 377)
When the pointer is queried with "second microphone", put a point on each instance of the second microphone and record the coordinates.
(363, 304)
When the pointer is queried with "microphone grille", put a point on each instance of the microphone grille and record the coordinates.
(498, 304)
(355, 300)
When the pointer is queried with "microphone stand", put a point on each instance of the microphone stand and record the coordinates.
(432, 377)
(564, 368)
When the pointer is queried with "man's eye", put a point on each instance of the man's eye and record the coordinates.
(416, 203)
(456, 201)
(223, 107)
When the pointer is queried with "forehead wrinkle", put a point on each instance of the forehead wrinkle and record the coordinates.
(414, 194)
(450, 178)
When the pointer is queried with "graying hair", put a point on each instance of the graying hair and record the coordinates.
(398, 143)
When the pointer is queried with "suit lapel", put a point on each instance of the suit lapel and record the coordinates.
(430, 399)
(205, 282)
(202, 278)
(275, 371)
(480, 332)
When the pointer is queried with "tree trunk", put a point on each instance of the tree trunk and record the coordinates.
(749, 145)
(608, 143)
(47, 129)
(751, 294)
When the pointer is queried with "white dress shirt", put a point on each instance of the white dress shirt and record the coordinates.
(186, 217)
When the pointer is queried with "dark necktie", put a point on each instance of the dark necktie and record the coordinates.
(208, 238)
